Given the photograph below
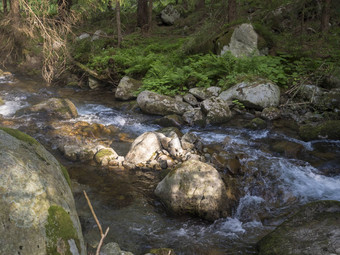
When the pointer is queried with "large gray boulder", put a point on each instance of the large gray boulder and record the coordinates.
(153, 103)
(169, 15)
(56, 107)
(127, 88)
(217, 110)
(258, 95)
(243, 42)
(314, 230)
(37, 210)
(144, 148)
(195, 188)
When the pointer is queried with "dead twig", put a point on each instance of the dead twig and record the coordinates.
(102, 235)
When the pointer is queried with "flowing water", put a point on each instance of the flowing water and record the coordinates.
(276, 184)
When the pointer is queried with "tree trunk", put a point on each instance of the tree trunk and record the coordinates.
(231, 11)
(119, 25)
(4, 5)
(15, 12)
(325, 16)
(142, 14)
(150, 15)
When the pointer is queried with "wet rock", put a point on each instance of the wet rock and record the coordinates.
(144, 148)
(172, 120)
(113, 249)
(256, 123)
(169, 15)
(326, 130)
(37, 209)
(167, 131)
(257, 95)
(190, 99)
(194, 117)
(154, 103)
(217, 110)
(289, 149)
(127, 88)
(314, 230)
(162, 251)
(105, 156)
(194, 188)
(243, 42)
(271, 113)
(55, 107)
(2, 102)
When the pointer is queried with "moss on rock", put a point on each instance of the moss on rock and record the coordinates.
(66, 175)
(328, 129)
(1, 101)
(59, 230)
(20, 135)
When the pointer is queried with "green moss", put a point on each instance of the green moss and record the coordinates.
(59, 229)
(1, 101)
(162, 251)
(20, 135)
(329, 129)
(103, 153)
(66, 175)
(256, 123)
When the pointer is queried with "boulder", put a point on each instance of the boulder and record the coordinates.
(194, 117)
(256, 123)
(153, 103)
(55, 107)
(105, 156)
(310, 92)
(37, 209)
(144, 148)
(2, 102)
(113, 249)
(327, 130)
(97, 35)
(243, 42)
(258, 95)
(204, 93)
(94, 83)
(127, 88)
(83, 36)
(194, 188)
(190, 99)
(172, 120)
(314, 230)
(216, 109)
(271, 113)
(169, 15)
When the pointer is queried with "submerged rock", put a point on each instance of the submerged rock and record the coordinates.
(194, 188)
(153, 103)
(326, 130)
(258, 95)
(127, 88)
(37, 210)
(314, 230)
(55, 107)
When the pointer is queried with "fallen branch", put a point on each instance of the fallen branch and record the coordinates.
(98, 224)
(89, 71)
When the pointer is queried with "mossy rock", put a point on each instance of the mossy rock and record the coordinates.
(20, 135)
(66, 175)
(256, 123)
(60, 232)
(314, 230)
(162, 251)
(2, 102)
(326, 130)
